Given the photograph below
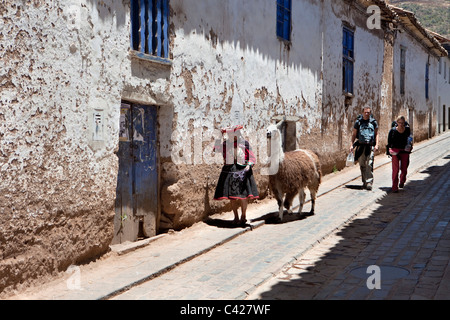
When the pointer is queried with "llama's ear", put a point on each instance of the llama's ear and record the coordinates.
(280, 125)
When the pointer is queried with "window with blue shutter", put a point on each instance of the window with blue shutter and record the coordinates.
(402, 69)
(427, 80)
(284, 19)
(348, 60)
(150, 27)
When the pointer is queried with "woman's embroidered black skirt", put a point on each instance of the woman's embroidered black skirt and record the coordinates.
(234, 183)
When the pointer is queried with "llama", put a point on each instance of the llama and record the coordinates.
(296, 170)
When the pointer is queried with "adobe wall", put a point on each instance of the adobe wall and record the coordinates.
(58, 180)
(413, 104)
(65, 63)
(229, 67)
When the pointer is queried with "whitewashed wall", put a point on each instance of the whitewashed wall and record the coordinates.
(57, 185)
(64, 61)
(443, 84)
(227, 59)
(413, 104)
(337, 118)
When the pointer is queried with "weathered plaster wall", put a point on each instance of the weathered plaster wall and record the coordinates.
(338, 117)
(57, 185)
(443, 85)
(227, 59)
(62, 61)
(413, 104)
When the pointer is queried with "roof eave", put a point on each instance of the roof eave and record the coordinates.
(409, 20)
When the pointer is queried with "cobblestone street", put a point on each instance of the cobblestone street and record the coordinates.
(406, 234)
(407, 230)
(324, 256)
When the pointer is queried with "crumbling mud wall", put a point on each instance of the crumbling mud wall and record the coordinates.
(57, 136)
(339, 111)
(236, 73)
(227, 70)
(67, 66)
(419, 110)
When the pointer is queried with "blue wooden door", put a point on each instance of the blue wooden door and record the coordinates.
(137, 182)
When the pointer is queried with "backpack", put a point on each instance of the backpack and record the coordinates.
(366, 131)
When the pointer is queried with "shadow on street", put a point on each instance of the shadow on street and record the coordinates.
(320, 279)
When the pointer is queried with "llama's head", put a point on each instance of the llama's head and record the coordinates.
(271, 131)
(274, 130)
(274, 146)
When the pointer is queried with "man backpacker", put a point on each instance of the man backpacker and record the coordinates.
(366, 130)
(365, 140)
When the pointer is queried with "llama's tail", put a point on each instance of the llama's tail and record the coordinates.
(317, 166)
(319, 170)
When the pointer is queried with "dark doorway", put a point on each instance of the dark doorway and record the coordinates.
(137, 182)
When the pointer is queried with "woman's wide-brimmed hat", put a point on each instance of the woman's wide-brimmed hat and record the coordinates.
(232, 129)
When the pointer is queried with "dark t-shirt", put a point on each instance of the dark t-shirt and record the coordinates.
(398, 140)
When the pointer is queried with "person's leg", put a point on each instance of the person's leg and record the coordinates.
(235, 206)
(366, 166)
(404, 168)
(369, 169)
(244, 203)
(395, 168)
(363, 167)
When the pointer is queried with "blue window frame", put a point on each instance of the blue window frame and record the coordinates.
(402, 69)
(284, 19)
(427, 80)
(348, 60)
(150, 27)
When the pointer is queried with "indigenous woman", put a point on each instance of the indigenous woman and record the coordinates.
(397, 144)
(236, 182)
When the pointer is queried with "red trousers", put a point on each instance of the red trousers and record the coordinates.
(399, 162)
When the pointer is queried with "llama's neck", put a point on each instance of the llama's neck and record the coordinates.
(278, 147)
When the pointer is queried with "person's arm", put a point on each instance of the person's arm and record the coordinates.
(377, 147)
(408, 132)
(354, 133)
(390, 139)
(250, 157)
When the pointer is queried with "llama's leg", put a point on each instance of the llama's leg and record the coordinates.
(288, 202)
(313, 189)
(280, 210)
(280, 213)
(279, 197)
(301, 197)
(313, 200)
